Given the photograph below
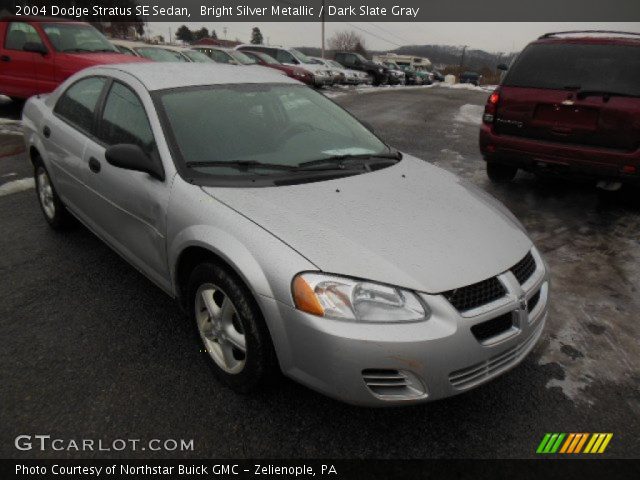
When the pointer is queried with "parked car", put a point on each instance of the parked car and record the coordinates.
(411, 75)
(470, 77)
(569, 105)
(294, 72)
(36, 55)
(291, 56)
(226, 55)
(371, 276)
(397, 74)
(336, 71)
(378, 73)
(160, 53)
(437, 76)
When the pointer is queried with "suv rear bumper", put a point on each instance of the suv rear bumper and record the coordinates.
(562, 159)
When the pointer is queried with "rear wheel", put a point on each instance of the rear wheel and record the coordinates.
(501, 173)
(231, 329)
(52, 207)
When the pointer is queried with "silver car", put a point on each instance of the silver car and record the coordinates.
(294, 238)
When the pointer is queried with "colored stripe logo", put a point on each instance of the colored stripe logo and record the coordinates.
(573, 443)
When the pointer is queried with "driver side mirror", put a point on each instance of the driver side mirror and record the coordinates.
(35, 47)
(503, 67)
(132, 157)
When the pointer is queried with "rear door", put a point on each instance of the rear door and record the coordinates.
(557, 92)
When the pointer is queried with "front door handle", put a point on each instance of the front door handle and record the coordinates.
(5, 58)
(94, 165)
(46, 131)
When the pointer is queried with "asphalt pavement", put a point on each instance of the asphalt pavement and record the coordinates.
(92, 349)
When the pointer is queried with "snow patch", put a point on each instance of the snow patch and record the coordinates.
(469, 114)
(17, 186)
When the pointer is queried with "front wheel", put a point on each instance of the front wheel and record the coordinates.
(501, 173)
(52, 207)
(231, 329)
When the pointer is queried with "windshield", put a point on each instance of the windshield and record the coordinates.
(335, 64)
(196, 56)
(301, 56)
(268, 123)
(612, 68)
(160, 54)
(74, 37)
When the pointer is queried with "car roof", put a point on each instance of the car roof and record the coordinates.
(160, 76)
(594, 37)
(40, 19)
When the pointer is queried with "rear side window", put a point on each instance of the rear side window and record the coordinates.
(124, 119)
(77, 104)
(611, 68)
(20, 33)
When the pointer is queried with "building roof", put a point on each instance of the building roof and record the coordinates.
(160, 76)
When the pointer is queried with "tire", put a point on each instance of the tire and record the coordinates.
(226, 319)
(501, 173)
(54, 211)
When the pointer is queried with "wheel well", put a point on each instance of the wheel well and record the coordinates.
(34, 155)
(189, 259)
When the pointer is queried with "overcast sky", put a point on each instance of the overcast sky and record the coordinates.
(494, 37)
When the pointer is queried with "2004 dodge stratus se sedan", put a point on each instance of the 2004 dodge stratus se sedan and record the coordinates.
(295, 238)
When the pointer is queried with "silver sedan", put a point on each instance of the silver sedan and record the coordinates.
(295, 239)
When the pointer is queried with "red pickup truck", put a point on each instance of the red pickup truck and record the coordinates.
(38, 54)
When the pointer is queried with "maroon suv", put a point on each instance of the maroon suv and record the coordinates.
(569, 104)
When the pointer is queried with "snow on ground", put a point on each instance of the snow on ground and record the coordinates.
(10, 127)
(469, 114)
(341, 90)
(16, 186)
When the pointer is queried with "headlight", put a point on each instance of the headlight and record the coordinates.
(360, 300)
(380, 70)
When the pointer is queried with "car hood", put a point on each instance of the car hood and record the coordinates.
(412, 224)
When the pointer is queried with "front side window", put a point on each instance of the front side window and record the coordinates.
(267, 123)
(76, 38)
(77, 104)
(19, 34)
(285, 57)
(124, 119)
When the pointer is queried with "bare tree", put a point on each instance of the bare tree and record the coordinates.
(346, 40)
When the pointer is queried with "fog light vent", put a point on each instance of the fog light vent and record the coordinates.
(387, 384)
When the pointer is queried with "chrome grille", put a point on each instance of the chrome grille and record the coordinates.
(475, 295)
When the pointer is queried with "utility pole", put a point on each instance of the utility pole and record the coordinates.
(323, 29)
(464, 48)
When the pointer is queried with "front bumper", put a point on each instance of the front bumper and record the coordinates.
(405, 363)
(560, 159)
(320, 80)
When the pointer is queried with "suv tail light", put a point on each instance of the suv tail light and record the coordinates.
(491, 107)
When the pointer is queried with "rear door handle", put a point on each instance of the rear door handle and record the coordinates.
(5, 58)
(46, 131)
(94, 165)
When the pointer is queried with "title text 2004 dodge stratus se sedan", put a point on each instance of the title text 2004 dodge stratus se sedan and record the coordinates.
(295, 239)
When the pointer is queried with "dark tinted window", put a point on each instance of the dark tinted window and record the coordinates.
(78, 103)
(124, 119)
(285, 57)
(614, 68)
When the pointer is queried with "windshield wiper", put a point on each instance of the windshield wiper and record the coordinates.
(581, 94)
(242, 165)
(339, 160)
